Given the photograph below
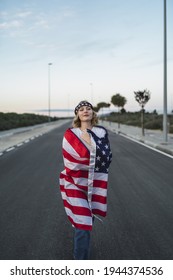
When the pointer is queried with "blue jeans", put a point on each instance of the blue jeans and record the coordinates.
(81, 244)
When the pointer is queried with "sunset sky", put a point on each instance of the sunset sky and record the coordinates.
(97, 48)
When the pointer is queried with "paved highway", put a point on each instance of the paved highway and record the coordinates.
(33, 224)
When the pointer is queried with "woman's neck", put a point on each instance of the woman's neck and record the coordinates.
(85, 125)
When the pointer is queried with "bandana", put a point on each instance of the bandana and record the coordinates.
(82, 103)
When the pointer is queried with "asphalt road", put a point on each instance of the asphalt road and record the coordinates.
(33, 223)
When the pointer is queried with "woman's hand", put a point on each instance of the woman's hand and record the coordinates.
(86, 137)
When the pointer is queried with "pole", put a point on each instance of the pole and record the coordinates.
(165, 126)
(91, 84)
(49, 90)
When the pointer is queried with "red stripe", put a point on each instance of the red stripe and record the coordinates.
(62, 188)
(77, 144)
(78, 210)
(76, 193)
(72, 159)
(80, 226)
(99, 198)
(99, 212)
(100, 184)
(77, 173)
(81, 187)
(70, 180)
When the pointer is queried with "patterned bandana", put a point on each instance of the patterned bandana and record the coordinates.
(82, 103)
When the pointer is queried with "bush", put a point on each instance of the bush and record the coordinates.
(155, 124)
(171, 129)
(14, 120)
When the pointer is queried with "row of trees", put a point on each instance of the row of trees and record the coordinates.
(14, 120)
(142, 97)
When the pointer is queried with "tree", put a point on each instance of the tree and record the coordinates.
(119, 101)
(142, 97)
(95, 108)
(103, 105)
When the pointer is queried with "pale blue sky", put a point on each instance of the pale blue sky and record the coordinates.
(98, 48)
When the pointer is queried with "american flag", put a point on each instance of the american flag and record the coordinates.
(83, 182)
(103, 153)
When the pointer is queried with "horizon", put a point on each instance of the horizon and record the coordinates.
(70, 112)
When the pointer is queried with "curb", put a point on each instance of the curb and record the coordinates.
(158, 147)
(35, 135)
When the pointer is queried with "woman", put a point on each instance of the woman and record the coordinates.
(83, 182)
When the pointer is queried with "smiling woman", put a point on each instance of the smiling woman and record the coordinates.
(83, 182)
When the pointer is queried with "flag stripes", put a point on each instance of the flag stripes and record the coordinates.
(76, 182)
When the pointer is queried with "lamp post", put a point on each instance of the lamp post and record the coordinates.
(165, 125)
(91, 84)
(49, 90)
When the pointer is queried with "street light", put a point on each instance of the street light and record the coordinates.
(91, 84)
(165, 125)
(49, 90)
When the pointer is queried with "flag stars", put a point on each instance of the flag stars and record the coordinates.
(103, 154)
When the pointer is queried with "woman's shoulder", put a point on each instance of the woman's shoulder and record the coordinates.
(99, 130)
(71, 129)
(67, 130)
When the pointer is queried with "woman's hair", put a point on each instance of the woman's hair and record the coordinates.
(77, 122)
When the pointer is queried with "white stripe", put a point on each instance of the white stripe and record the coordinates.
(91, 170)
(71, 186)
(80, 181)
(97, 175)
(98, 191)
(100, 176)
(79, 219)
(77, 181)
(83, 202)
(75, 201)
(75, 166)
(100, 206)
(66, 145)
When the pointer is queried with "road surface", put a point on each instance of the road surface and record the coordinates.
(33, 223)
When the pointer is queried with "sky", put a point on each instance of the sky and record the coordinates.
(97, 48)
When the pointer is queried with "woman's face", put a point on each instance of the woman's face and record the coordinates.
(85, 113)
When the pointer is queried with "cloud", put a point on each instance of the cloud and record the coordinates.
(22, 24)
(23, 14)
(10, 24)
